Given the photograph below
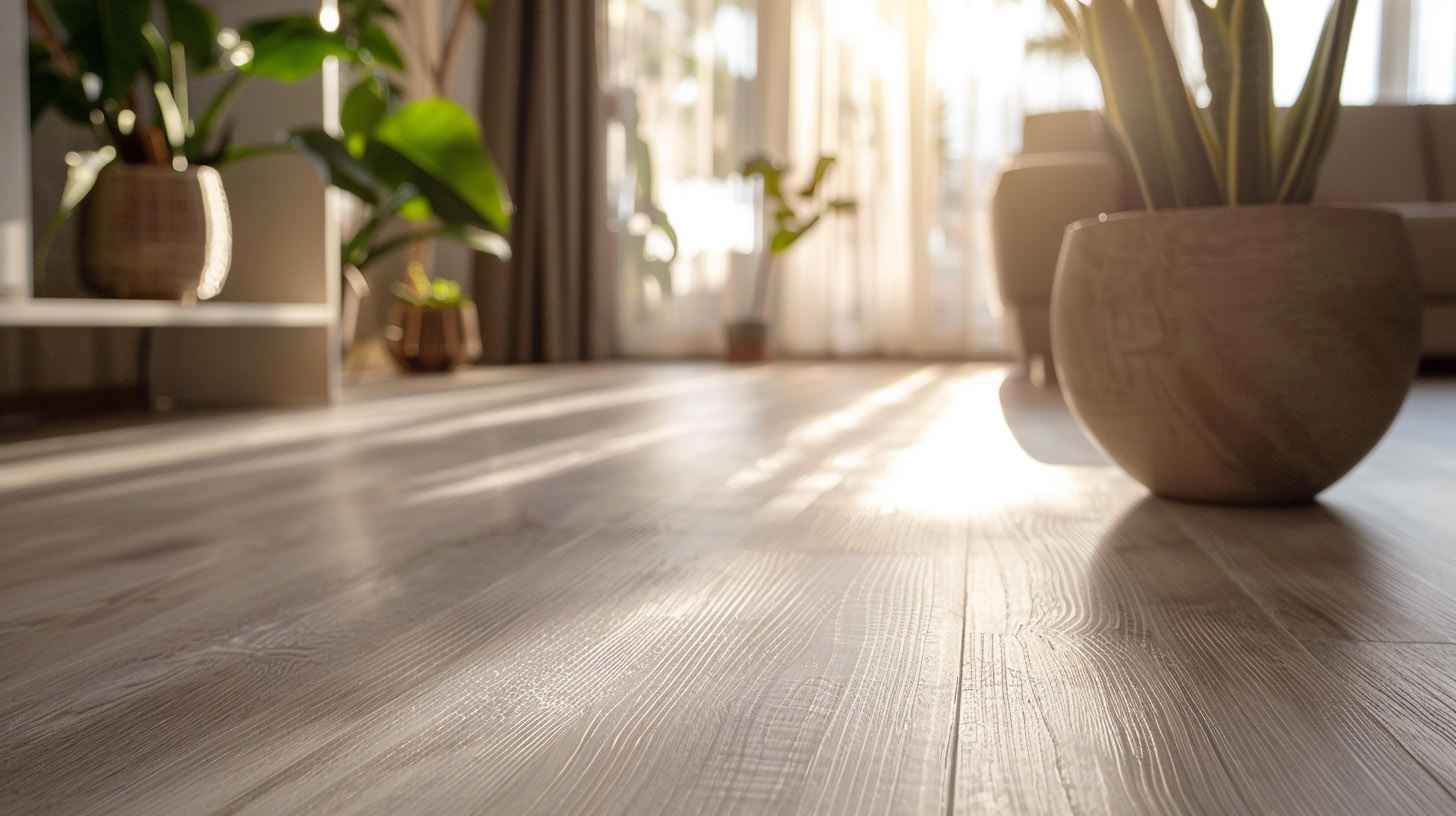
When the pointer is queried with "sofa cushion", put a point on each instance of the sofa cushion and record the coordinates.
(1432, 228)
(1062, 132)
(1377, 156)
(1441, 136)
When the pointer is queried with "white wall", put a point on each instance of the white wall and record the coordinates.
(14, 153)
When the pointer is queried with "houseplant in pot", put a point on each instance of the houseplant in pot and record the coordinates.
(1232, 343)
(791, 214)
(154, 215)
(417, 170)
(432, 326)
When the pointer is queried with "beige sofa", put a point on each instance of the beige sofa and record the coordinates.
(1401, 157)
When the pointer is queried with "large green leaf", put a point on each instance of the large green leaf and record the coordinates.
(290, 49)
(1218, 65)
(364, 108)
(1190, 155)
(194, 27)
(335, 165)
(374, 39)
(106, 38)
(443, 157)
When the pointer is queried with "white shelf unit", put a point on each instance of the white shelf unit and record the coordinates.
(271, 336)
(38, 312)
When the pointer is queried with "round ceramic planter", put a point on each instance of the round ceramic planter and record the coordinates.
(427, 339)
(153, 232)
(1247, 355)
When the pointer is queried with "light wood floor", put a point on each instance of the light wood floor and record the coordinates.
(644, 589)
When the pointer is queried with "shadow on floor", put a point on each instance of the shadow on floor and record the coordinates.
(1043, 425)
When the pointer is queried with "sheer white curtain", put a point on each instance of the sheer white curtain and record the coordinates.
(922, 102)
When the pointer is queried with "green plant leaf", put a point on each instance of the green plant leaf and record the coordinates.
(81, 173)
(821, 170)
(376, 40)
(480, 240)
(443, 157)
(1311, 122)
(771, 173)
(1218, 70)
(106, 37)
(1185, 139)
(290, 49)
(1119, 52)
(336, 166)
(194, 27)
(364, 107)
(1249, 142)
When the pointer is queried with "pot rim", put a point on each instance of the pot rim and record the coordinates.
(1356, 209)
(158, 169)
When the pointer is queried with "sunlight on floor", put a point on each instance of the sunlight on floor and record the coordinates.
(967, 460)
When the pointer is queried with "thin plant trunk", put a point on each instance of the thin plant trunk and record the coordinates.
(758, 310)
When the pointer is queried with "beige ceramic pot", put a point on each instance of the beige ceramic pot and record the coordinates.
(1248, 355)
(151, 231)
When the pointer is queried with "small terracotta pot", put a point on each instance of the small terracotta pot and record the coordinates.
(1248, 355)
(747, 341)
(156, 233)
(428, 339)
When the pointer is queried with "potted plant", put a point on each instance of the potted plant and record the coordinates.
(1232, 343)
(155, 219)
(420, 161)
(791, 215)
(432, 325)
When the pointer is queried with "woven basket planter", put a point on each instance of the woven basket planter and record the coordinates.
(432, 339)
(152, 232)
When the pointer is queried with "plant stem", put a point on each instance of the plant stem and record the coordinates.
(411, 239)
(453, 44)
(217, 108)
(759, 306)
(52, 41)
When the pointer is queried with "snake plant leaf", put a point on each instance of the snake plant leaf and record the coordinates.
(290, 49)
(1186, 140)
(1304, 140)
(194, 27)
(1218, 68)
(1070, 21)
(445, 159)
(106, 37)
(1249, 140)
(821, 170)
(1121, 55)
(335, 165)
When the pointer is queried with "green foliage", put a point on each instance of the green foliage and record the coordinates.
(793, 214)
(423, 161)
(121, 68)
(1229, 152)
(419, 289)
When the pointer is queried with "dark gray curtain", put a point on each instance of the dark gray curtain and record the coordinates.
(543, 115)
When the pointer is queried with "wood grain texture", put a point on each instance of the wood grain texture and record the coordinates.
(796, 588)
